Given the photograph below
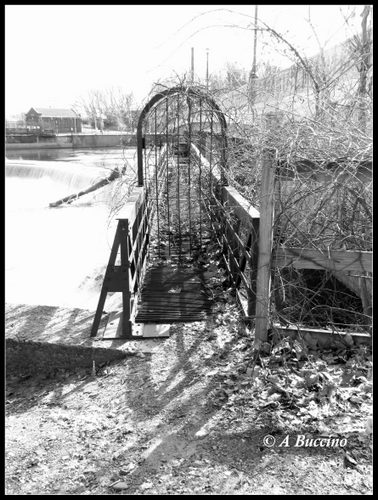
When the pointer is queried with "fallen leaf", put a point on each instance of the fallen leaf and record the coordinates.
(369, 425)
(349, 461)
(121, 485)
(129, 468)
(348, 339)
(356, 400)
(146, 486)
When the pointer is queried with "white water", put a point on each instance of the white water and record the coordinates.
(52, 255)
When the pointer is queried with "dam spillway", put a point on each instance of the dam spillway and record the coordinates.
(53, 255)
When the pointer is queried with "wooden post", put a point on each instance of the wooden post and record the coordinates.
(254, 262)
(265, 248)
(125, 266)
(107, 277)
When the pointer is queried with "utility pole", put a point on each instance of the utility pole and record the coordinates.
(207, 69)
(255, 45)
(192, 66)
(253, 75)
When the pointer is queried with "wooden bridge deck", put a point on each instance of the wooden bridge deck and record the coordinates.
(173, 289)
(173, 294)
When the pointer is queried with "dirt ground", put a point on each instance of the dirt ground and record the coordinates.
(191, 417)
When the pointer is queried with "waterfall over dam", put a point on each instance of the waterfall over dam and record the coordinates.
(55, 256)
(45, 182)
(71, 175)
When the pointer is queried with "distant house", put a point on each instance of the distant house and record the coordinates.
(57, 120)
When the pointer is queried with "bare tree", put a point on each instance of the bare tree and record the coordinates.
(115, 105)
(317, 116)
(363, 46)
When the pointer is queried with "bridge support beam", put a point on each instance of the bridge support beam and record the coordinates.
(117, 279)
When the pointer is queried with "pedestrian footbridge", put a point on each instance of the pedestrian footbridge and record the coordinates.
(181, 204)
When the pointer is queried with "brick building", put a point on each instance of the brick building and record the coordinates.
(57, 120)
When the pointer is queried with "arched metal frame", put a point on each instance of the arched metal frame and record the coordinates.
(193, 92)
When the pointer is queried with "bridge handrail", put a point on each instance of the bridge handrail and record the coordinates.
(138, 212)
(244, 209)
(130, 208)
(131, 242)
(239, 250)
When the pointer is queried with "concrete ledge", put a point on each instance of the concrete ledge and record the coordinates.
(41, 338)
(37, 357)
(77, 141)
(44, 338)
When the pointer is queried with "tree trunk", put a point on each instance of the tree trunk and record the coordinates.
(103, 182)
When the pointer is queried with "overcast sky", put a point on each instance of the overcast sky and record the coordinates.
(56, 53)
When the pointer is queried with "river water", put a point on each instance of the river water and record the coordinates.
(54, 255)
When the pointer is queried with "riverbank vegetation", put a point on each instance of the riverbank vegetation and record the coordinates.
(316, 116)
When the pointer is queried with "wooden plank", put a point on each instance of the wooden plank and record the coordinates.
(321, 334)
(170, 295)
(113, 329)
(242, 207)
(104, 288)
(244, 210)
(246, 257)
(153, 330)
(239, 272)
(249, 215)
(136, 241)
(242, 247)
(215, 172)
(140, 263)
(361, 286)
(334, 260)
(130, 209)
(341, 174)
(265, 248)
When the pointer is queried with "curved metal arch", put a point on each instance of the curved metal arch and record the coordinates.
(192, 91)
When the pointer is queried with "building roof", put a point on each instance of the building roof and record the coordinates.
(55, 112)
